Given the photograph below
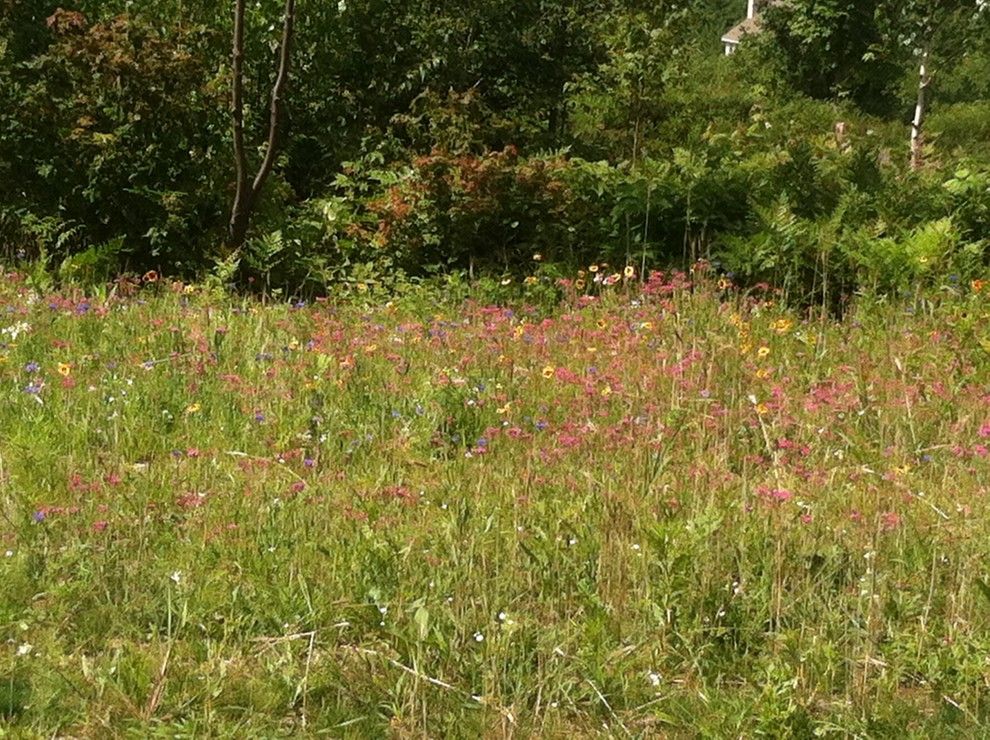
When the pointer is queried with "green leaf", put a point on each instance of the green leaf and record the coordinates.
(422, 621)
(984, 588)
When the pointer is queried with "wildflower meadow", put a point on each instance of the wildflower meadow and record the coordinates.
(659, 508)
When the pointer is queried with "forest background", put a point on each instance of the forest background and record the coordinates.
(464, 138)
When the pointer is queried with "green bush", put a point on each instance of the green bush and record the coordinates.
(487, 213)
(969, 191)
(841, 220)
(961, 130)
(115, 132)
(803, 213)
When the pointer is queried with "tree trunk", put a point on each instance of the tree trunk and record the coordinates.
(247, 191)
(920, 113)
(237, 229)
(240, 219)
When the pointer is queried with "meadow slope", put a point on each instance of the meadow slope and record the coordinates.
(663, 510)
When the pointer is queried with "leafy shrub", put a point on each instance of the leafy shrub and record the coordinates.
(887, 264)
(969, 191)
(487, 214)
(492, 211)
(115, 128)
(961, 129)
(824, 260)
(799, 212)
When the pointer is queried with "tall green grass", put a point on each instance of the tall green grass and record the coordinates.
(668, 509)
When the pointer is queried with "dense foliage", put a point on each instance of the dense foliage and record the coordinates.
(427, 137)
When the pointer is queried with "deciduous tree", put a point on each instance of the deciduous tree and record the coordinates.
(938, 33)
(827, 48)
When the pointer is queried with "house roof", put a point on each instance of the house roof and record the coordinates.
(749, 26)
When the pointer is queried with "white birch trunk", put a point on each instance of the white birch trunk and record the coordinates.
(920, 112)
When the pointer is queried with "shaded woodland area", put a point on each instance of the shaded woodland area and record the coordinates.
(424, 138)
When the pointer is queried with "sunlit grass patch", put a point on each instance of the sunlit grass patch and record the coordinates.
(652, 511)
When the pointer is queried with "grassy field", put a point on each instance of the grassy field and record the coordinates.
(663, 511)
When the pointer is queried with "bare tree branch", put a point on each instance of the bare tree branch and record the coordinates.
(278, 91)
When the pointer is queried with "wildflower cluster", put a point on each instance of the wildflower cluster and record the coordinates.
(659, 469)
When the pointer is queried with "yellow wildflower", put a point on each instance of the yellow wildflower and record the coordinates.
(782, 326)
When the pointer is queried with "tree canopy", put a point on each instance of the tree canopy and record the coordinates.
(458, 123)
